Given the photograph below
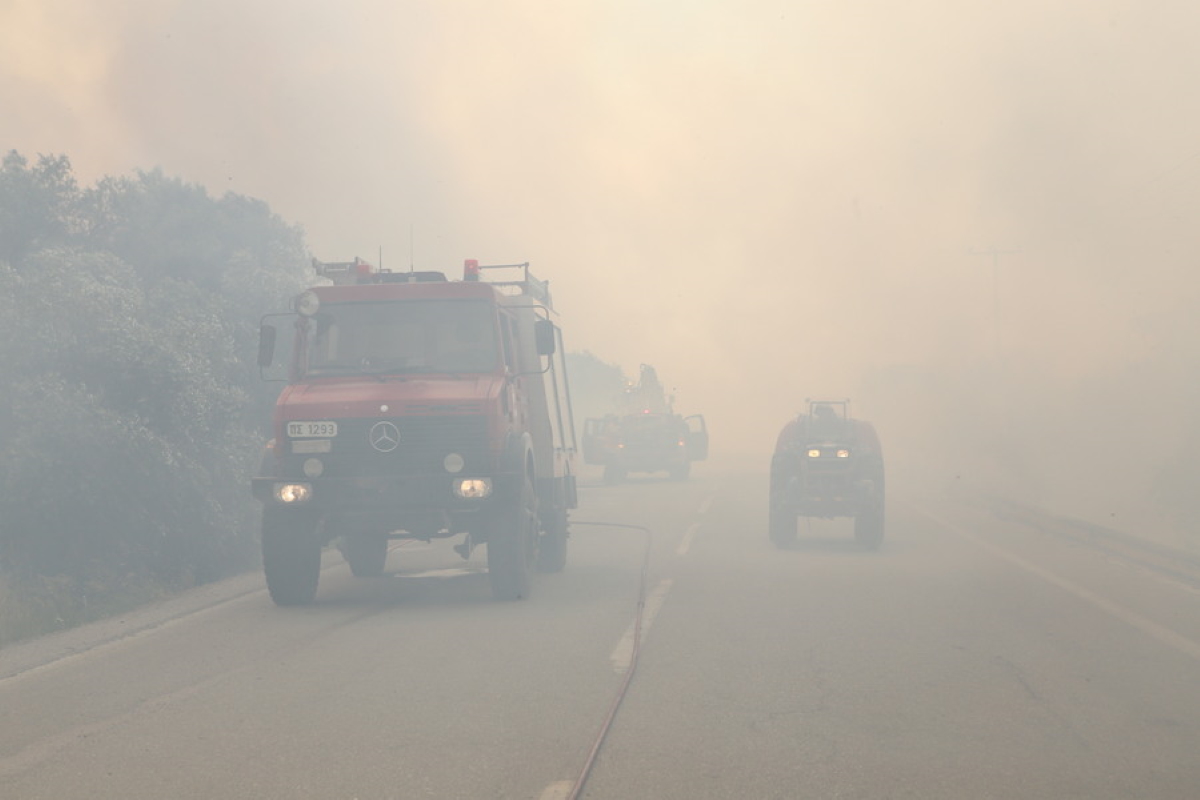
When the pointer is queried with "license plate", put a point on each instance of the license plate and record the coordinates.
(312, 430)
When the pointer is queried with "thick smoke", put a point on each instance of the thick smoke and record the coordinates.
(766, 200)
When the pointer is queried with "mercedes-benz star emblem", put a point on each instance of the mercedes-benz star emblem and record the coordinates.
(384, 437)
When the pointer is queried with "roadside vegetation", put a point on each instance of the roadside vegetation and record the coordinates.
(131, 413)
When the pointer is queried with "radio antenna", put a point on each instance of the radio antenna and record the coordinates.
(411, 262)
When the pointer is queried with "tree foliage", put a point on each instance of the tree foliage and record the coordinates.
(131, 412)
(37, 204)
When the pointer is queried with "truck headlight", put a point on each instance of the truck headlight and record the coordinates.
(307, 304)
(473, 488)
(814, 453)
(291, 493)
(843, 454)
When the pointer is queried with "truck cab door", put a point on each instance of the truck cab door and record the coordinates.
(697, 437)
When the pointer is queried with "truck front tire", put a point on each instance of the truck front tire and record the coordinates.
(291, 555)
(511, 544)
(366, 555)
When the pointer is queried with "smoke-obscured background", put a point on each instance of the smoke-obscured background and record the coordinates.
(975, 220)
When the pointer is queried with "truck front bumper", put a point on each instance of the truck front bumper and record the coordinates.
(395, 502)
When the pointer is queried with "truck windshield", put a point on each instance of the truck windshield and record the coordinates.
(403, 337)
(648, 428)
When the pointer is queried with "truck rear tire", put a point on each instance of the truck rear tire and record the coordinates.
(366, 555)
(613, 474)
(291, 555)
(511, 544)
(552, 545)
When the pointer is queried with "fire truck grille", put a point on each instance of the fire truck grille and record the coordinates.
(420, 447)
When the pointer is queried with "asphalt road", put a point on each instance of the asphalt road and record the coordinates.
(970, 658)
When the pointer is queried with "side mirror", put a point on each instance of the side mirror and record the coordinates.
(543, 334)
(266, 345)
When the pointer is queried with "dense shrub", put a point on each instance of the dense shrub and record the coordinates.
(131, 411)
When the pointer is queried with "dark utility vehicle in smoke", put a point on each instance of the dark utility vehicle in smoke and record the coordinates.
(647, 435)
(420, 408)
(645, 442)
(826, 465)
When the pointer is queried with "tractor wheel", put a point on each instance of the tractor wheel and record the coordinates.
(781, 525)
(868, 528)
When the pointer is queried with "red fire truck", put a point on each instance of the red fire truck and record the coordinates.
(418, 407)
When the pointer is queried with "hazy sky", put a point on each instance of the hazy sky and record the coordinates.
(766, 199)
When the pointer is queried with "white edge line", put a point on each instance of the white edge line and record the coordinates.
(622, 654)
(1163, 634)
(100, 648)
(557, 790)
